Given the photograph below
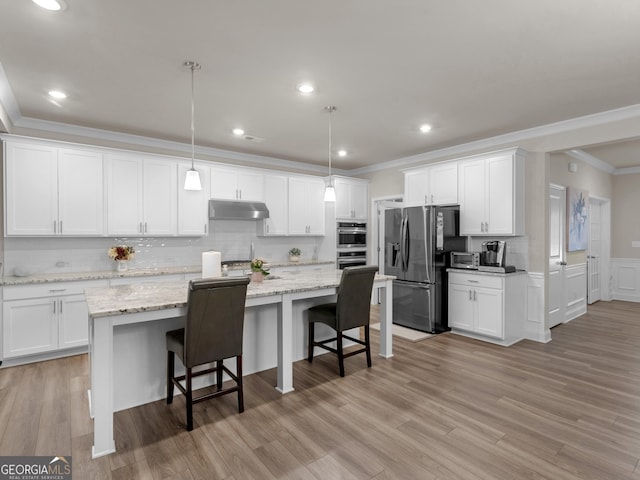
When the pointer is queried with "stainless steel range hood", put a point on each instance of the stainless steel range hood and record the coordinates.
(237, 210)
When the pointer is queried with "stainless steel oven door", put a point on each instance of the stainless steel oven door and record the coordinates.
(351, 259)
(351, 235)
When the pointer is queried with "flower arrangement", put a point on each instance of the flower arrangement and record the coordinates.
(294, 252)
(258, 266)
(121, 252)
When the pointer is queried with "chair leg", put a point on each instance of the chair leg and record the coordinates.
(311, 340)
(340, 353)
(367, 346)
(189, 401)
(170, 372)
(239, 376)
(219, 372)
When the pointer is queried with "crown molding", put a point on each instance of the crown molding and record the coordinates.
(626, 171)
(596, 119)
(591, 160)
(142, 141)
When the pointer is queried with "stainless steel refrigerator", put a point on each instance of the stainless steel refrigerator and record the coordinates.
(417, 245)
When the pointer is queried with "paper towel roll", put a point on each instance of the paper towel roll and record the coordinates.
(211, 264)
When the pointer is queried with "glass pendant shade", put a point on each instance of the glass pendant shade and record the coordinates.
(192, 180)
(329, 193)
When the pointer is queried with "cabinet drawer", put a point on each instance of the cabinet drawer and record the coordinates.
(51, 289)
(476, 280)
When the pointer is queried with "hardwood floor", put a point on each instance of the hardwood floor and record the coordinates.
(444, 408)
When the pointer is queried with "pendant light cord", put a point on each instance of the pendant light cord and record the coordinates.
(193, 66)
(330, 109)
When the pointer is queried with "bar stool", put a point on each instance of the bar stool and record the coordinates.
(351, 310)
(212, 333)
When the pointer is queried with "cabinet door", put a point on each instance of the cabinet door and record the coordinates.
(251, 186)
(160, 197)
(73, 321)
(224, 184)
(32, 190)
(80, 193)
(192, 204)
(489, 314)
(276, 198)
(415, 188)
(298, 221)
(359, 200)
(443, 184)
(500, 195)
(315, 206)
(343, 198)
(471, 195)
(124, 195)
(29, 327)
(461, 311)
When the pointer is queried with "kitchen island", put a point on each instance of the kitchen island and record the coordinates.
(127, 324)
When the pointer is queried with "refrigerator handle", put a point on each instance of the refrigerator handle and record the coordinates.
(428, 240)
(404, 245)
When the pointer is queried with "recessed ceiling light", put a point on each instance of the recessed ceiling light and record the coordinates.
(425, 128)
(57, 94)
(238, 131)
(342, 153)
(53, 5)
(305, 88)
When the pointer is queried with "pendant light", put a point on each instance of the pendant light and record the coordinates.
(192, 180)
(329, 191)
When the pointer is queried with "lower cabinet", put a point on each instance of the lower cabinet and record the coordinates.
(44, 318)
(488, 305)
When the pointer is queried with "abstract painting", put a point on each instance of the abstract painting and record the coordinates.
(577, 219)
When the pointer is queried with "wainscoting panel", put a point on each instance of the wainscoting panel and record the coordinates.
(576, 288)
(626, 279)
(535, 328)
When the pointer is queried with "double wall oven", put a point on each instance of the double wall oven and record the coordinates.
(351, 244)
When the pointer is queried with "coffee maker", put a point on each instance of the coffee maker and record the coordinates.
(493, 253)
(493, 257)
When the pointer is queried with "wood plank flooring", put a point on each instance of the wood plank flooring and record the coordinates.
(447, 407)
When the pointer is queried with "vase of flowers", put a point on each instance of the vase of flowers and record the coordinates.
(294, 255)
(121, 254)
(258, 270)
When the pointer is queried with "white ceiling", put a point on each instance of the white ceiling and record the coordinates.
(471, 69)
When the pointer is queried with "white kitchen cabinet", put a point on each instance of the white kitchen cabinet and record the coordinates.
(306, 206)
(44, 318)
(351, 199)
(276, 193)
(193, 212)
(141, 195)
(442, 184)
(487, 306)
(432, 185)
(53, 191)
(491, 194)
(237, 184)
(415, 187)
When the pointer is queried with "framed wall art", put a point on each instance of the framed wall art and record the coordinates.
(577, 219)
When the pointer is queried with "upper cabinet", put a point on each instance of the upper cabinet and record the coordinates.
(193, 214)
(306, 206)
(491, 194)
(141, 195)
(432, 185)
(237, 184)
(53, 191)
(277, 200)
(351, 198)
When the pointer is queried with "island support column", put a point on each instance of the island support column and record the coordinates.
(101, 395)
(386, 318)
(285, 344)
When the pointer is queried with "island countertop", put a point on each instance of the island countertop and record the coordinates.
(148, 296)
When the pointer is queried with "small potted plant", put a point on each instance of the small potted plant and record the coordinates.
(294, 254)
(121, 254)
(258, 270)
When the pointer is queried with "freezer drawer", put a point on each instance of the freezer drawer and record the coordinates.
(414, 305)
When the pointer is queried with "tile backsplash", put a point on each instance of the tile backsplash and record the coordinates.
(230, 237)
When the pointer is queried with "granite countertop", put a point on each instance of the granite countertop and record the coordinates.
(141, 272)
(491, 274)
(123, 299)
